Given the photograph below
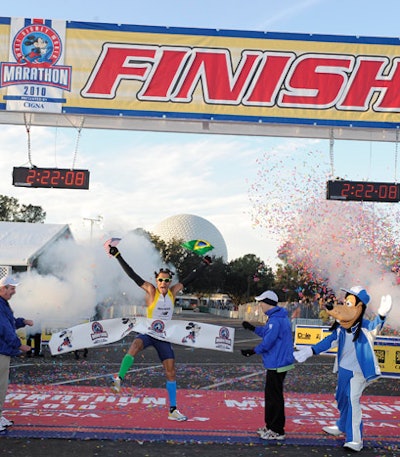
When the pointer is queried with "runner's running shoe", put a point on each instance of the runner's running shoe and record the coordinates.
(116, 384)
(176, 416)
(4, 423)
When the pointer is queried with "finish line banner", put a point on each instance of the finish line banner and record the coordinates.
(198, 80)
(99, 333)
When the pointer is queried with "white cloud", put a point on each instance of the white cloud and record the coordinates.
(288, 11)
(139, 179)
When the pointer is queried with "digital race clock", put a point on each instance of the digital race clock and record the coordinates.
(59, 178)
(363, 191)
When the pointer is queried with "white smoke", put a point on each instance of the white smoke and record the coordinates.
(81, 277)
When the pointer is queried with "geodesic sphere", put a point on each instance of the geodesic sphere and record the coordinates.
(188, 227)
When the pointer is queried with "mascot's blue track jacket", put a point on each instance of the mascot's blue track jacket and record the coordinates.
(364, 346)
(9, 341)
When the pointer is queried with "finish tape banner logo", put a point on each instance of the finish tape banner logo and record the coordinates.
(186, 333)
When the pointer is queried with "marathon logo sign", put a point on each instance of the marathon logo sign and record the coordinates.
(35, 77)
(36, 48)
(319, 81)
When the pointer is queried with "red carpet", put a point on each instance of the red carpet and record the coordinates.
(214, 417)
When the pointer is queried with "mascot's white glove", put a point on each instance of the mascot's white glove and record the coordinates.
(303, 354)
(385, 306)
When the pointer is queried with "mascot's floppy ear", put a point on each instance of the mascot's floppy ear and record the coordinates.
(359, 320)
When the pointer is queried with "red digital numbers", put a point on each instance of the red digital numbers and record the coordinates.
(369, 191)
(51, 178)
(345, 190)
(55, 179)
(69, 178)
(363, 191)
(359, 193)
(30, 179)
(388, 192)
(394, 192)
(45, 177)
(79, 178)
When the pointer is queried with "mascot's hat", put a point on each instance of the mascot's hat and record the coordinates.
(358, 292)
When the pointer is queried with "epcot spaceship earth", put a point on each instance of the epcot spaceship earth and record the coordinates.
(187, 227)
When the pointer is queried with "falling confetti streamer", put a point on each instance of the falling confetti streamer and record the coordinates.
(338, 242)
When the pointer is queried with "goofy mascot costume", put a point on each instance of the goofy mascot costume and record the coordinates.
(355, 362)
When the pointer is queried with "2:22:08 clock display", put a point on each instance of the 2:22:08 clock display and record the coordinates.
(59, 178)
(363, 191)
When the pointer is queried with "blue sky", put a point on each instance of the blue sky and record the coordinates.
(347, 17)
(124, 164)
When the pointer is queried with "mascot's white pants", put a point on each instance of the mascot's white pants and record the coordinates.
(349, 389)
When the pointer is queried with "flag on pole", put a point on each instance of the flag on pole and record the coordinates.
(199, 247)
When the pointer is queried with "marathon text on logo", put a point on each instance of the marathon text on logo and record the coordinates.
(262, 78)
(59, 76)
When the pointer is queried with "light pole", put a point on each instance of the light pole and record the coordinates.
(92, 221)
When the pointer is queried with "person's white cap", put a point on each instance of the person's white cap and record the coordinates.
(268, 297)
(8, 281)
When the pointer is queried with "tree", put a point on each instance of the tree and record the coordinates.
(247, 277)
(240, 279)
(184, 261)
(12, 211)
(31, 213)
(288, 280)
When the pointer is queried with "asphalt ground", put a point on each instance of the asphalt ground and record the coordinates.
(196, 369)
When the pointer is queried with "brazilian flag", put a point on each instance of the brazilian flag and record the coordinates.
(199, 247)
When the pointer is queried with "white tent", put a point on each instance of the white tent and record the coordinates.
(21, 243)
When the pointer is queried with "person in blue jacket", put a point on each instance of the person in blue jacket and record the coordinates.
(10, 344)
(355, 362)
(276, 349)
